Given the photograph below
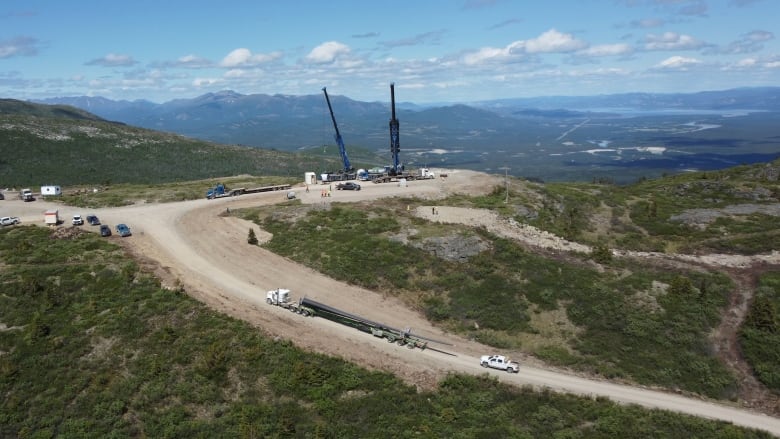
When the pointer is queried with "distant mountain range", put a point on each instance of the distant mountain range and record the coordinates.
(288, 122)
(623, 136)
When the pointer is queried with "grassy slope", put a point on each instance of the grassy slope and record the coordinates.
(60, 145)
(94, 348)
(631, 321)
(760, 335)
(642, 216)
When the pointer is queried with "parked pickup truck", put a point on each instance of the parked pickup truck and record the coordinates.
(9, 220)
(499, 362)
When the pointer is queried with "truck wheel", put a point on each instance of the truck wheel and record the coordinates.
(269, 301)
(483, 364)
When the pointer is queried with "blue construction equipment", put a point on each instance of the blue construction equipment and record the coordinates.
(348, 173)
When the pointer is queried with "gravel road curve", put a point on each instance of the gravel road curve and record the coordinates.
(190, 244)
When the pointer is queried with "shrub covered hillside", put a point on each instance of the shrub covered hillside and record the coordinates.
(733, 210)
(68, 147)
(633, 321)
(92, 347)
(760, 335)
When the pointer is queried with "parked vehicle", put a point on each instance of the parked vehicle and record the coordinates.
(220, 190)
(499, 362)
(105, 230)
(93, 220)
(26, 195)
(425, 174)
(348, 186)
(51, 217)
(9, 220)
(78, 220)
(308, 307)
(122, 230)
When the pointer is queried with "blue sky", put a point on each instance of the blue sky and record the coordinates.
(434, 50)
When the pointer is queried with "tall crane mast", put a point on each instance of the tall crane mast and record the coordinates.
(339, 140)
(395, 142)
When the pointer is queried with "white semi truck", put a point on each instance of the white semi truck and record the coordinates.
(26, 195)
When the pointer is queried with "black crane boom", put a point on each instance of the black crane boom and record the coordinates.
(395, 142)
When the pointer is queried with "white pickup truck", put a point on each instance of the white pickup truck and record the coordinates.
(9, 220)
(499, 362)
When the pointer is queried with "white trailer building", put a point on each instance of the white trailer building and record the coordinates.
(50, 190)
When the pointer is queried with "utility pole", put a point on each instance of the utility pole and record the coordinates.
(506, 183)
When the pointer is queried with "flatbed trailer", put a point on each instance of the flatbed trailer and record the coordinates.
(220, 191)
(308, 307)
(387, 178)
(271, 188)
(329, 177)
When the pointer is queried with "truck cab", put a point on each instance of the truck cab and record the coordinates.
(499, 362)
(278, 296)
(26, 195)
(216, 191)
(425, 174)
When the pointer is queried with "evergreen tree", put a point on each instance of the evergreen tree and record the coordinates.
(252, 239)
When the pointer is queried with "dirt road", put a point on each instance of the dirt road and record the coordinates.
(190, 244)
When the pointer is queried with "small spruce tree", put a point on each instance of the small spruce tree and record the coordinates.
(601, 254)
(252, 239)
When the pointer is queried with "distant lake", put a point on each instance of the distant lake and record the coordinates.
(638, 112)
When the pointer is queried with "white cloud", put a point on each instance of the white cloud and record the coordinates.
(551, 41)
(677, 63)
(18, 46)
(244, 57)
(112, 60)
(760, 35)
(607, 50)
(747, 62)
(485, 54)
(750, 42)
(672, 41)
(236, 73)
(192, 61)
(205, 82)
(647, 23)
(327, 52)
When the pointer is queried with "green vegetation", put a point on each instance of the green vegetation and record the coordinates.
(760, 334)
(21, 108)
(127, 194)
(731, 210)
(92, 347)
(83, 152)
(633, 321)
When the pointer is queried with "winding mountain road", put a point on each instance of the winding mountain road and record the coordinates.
(191, 245)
